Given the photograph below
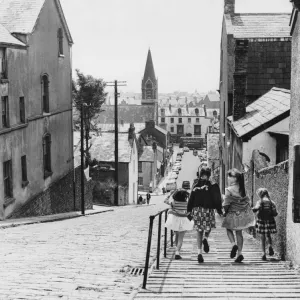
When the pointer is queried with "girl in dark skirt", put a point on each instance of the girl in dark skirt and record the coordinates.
(265, 224)
(205, 198)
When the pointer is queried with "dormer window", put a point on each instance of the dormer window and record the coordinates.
(197, 111)
(60, 38)
(179, 111)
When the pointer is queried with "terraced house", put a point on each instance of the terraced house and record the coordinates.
(36, 140)
(255, 57)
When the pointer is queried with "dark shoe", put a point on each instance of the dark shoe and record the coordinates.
(234, 250)
(264, 257)
(177, 256)
(200, 258)
(271, 251)
(205, 246)
(239, 259)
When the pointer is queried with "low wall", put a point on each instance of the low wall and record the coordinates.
(107, 196)
(276, 180)
(58, 198)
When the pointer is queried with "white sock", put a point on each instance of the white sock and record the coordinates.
(233, 244)
(176, 252)
(199, 251)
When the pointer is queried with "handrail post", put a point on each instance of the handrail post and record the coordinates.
(171, 238)
(165, 237)
(148, 252)
(158, 242)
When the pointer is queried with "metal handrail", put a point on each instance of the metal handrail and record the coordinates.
(159, 214)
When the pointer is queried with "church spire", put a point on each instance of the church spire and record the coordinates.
(149, 82)
(149, 69)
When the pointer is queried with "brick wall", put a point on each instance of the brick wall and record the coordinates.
(58, 198)
(276, 180)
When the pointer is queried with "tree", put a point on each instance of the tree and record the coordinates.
(89, 92)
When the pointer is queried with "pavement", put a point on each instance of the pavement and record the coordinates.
(219, 277)
(51, 218)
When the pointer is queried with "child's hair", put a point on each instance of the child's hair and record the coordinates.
(263, 192)
(180, 195)
(240, 180)
(205, 171)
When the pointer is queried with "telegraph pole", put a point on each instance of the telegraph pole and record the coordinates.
(82, 161)
(115, 84)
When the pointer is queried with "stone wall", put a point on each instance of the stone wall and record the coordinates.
(58, 198)
(276, 180)
(293, 228)
(213, 155)
(107, 196)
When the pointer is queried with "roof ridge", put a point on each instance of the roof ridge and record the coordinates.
(261, 14)
(281, 89)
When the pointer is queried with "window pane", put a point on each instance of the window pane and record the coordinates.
(7, 178)
(22, 110)
(5, 116)
(24, 168)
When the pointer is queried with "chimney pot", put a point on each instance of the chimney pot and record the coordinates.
(229, 7)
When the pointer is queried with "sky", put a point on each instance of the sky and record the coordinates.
(112, 38)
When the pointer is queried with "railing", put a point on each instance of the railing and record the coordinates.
(158, 243)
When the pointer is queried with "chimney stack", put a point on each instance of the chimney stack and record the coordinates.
(229, 7)
(150, 124)
(240, 79)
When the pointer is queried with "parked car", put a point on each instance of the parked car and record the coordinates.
(175, 169)
(186, 149)
(173, 175)
(186, 185)
(171, 185)
(178, 164)
(180, 152)
(178, 158)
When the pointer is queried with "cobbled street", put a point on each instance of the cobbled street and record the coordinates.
(81, 258)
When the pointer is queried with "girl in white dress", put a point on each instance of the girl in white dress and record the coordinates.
(178, 220)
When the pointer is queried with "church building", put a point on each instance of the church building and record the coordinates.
(145, 110)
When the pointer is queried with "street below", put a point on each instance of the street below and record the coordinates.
(82, 258)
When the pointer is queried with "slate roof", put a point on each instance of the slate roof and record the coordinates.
(149, 69)
(7, 39)
(261, 25)
(147, 154)
(103, 148)
(266, 108)
(184, 112)
(127, 113)
(20, 16)
(122, 128)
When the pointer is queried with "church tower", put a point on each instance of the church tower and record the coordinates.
(150, 87)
